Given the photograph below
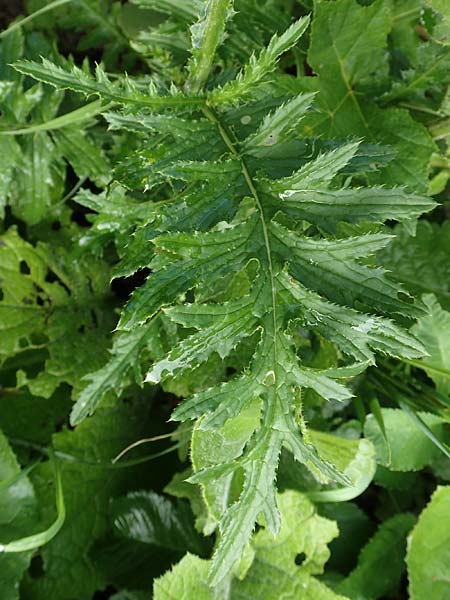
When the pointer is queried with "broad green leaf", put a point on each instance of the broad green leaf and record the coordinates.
(154, 520)
(40, 181)
(47, 302)
(10, 154)
(408, 448)
(442, 8)
(429, 550)
(186, 580)
(36, 540)
(272, 571)
(355, 528)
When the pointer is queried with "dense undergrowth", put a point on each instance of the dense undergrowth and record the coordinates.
(224, 300)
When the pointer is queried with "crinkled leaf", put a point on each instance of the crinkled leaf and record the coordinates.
(272, 572)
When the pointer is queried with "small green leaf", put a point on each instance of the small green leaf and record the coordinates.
(408, 448)
(207, 34)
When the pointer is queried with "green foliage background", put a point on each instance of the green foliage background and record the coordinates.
(224, 299)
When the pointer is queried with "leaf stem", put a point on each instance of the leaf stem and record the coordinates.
(89, 463)
(39, 539)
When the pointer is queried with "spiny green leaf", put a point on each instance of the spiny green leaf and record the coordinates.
(228, 325)
(71, 77)
(354, 458)
(259, 67)
(220, 253)
(278, 125)
(114, 375)
(318, 172)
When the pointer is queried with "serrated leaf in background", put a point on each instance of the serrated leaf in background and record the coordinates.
(433, 330)
(348, 53)
(381, 562)
(421, 261)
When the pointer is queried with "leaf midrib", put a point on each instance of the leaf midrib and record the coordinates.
(231, 145)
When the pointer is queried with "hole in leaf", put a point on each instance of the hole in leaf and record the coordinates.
(2, 295)
(24, 268)
(23, 342)
(52, 277)
(56, 225)
(36, 569)
(405, 297)
(37, 339)
(122, 287)
(105, 594)
(300, 559)
(94, 318)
